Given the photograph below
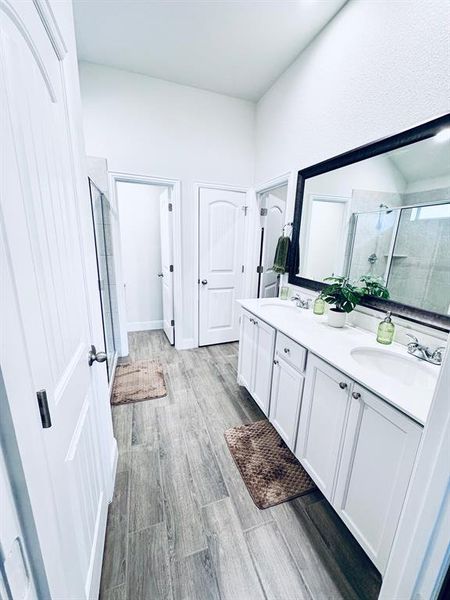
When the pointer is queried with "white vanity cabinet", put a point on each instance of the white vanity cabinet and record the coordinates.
(378, 452)
(287, 388)
(256, 349)
(325, 405)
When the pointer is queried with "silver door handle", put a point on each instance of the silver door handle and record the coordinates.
(160, 274)
(204, 281)
(95, 356)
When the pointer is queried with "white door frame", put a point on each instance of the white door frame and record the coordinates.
(288, 179)
(198, 185)
(175, 185)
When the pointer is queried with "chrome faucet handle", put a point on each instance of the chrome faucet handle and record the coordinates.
(296, 297)
(413, 338)
(438, 354)
(308, 303)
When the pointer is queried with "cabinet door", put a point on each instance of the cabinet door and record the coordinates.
(246, 351)
(264, 351)
(377, 459)
(285, 400)
(325, 405)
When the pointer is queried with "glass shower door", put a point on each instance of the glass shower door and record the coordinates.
(103, 246)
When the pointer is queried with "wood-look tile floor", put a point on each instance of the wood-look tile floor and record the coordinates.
(182, 525)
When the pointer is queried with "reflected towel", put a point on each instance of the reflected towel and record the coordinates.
(281, 254)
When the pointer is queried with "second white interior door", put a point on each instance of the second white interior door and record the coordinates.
(221, 263)
(274, 203)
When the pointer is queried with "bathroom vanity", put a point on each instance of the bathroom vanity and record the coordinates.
(351, 412)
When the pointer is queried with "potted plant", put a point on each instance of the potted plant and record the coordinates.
(374, 286)
(343, 296)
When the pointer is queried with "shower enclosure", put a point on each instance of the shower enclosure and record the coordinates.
(406, 247)
(101, 217)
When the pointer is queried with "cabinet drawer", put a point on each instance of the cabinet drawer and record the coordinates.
(292, 352)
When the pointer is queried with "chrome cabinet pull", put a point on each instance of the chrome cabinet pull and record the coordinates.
(343, 385)
(286, 350)
(356, 395)
(275, 362)
(204, 281)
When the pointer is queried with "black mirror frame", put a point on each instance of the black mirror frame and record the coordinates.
(415, 134)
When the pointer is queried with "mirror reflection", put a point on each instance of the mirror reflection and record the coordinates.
(385, 219)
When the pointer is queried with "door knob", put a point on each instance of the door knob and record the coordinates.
(95, 356)
(160, 274)
(204, 281)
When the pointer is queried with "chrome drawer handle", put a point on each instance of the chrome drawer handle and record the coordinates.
(286, 350)
(275, 362)
(343, 385)
(356, 395)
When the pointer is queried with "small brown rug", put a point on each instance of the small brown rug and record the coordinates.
(270, 471)
(137, 381)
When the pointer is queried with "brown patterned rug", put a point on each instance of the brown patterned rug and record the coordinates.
(137, 381)
(270, 471)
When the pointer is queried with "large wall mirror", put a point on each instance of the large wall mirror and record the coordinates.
(381, 211)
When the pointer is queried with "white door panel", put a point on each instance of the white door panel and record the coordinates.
(221, 256)
(43, 257)
(167, 264)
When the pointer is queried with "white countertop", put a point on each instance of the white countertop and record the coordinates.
(335, 345)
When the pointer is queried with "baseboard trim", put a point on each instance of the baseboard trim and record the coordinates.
(144, 325)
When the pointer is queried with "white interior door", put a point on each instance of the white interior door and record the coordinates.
(221, 260)
(44, 310)
(274, 205)
(166, 215)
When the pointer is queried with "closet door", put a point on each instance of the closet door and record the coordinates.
(221, 259)
(47, 262)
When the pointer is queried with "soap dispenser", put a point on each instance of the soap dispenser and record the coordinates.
(386, 330)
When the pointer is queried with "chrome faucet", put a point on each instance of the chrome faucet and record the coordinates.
(424, 352)
(306, 303)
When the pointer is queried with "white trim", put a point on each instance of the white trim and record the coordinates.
(198, 185)
(271, 184)
(175, 185)
(420, 557)
(144, 325)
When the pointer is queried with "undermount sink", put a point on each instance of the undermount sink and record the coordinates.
(407, 370)
(281, 306)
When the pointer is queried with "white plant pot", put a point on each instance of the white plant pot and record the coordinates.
(336, 318)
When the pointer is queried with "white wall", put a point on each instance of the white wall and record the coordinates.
(377, 68)
(140, 241)
(152, 127)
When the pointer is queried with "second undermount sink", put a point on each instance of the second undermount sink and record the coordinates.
(407, 370)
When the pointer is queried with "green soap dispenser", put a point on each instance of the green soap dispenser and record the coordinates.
(386, 330)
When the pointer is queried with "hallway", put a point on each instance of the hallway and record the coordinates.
(182, 524)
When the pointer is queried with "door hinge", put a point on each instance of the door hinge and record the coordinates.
(245, 209)
(171, 268)
(172, 322)
(170, 206)
(263, 212)
(260, 269)
(43, 409)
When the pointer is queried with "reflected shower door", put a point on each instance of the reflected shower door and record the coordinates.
(420, 265)
(374, 234)
(103, 246)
